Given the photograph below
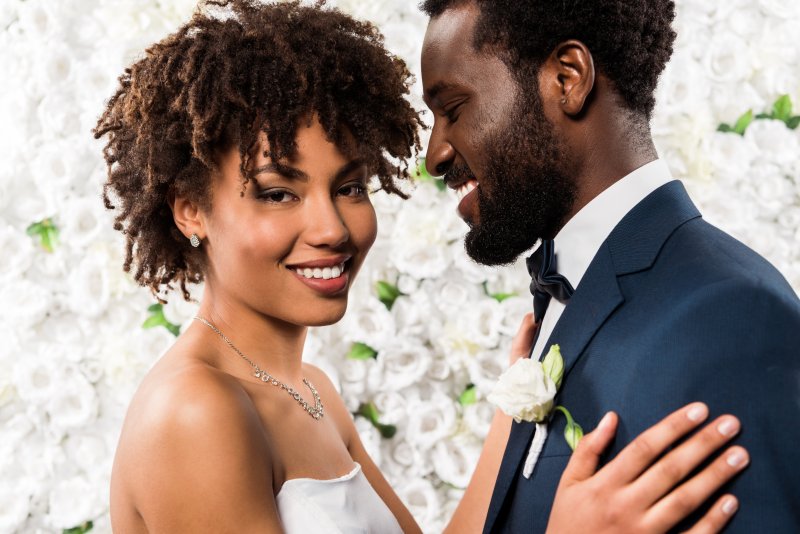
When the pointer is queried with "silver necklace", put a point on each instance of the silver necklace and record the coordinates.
(315, 411)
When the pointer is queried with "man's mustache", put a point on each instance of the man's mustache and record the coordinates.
(458, 174)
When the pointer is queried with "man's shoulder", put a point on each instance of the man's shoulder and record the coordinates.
(702, 255)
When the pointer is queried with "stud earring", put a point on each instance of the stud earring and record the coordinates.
(194, 240)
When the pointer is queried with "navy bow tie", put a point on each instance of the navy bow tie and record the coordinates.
(546, 282)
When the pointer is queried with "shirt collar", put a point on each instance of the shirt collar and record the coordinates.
(580, 239)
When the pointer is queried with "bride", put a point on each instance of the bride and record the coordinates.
(240, 153)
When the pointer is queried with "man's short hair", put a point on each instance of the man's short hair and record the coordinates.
(630, 40)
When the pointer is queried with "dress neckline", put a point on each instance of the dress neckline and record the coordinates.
(344, 478)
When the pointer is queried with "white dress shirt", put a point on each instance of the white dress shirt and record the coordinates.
(580, 239)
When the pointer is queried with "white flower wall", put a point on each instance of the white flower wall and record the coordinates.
(72, 343)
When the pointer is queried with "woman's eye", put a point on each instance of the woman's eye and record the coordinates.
(353, 190)
(276, 196)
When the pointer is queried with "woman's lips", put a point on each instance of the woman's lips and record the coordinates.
(327, 280)
(468, 195)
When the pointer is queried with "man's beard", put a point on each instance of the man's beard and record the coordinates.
(525, 193)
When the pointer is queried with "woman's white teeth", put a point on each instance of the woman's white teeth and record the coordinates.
(465, 189)
(326, 273)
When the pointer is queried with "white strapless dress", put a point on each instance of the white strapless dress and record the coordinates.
(344, 505)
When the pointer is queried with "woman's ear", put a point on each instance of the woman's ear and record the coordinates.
(572, 76)
(188, 216)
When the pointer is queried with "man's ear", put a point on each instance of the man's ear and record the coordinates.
(187, 215)
(571, 76)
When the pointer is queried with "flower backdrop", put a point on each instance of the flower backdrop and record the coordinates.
(427, 331)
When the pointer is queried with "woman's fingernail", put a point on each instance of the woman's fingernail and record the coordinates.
(729, 506)
(737, 459)
(729, 427)
(697, 412)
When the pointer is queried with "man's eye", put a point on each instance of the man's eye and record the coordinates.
(451, 114)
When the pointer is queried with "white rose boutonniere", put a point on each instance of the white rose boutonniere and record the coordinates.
(526, 391)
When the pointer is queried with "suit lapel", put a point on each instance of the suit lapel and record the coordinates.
(586, 312)
(632, 246)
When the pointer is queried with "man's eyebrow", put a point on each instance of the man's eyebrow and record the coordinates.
(432, 92)
(284, 170)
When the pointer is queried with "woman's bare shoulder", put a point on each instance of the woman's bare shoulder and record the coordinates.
(193, 441)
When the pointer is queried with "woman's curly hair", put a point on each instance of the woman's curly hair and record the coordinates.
(219, 82)
(630, 40)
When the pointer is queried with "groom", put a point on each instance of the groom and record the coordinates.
(542, 124)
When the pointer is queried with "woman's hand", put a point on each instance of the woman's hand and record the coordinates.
(637, 491)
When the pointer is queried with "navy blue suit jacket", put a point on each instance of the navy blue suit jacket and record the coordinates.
(672, 310)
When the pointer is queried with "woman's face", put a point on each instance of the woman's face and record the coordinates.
(290, 247)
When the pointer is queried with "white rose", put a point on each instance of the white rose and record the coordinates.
(728, 58)
(16, 499)
(683, 86)
(780, 8)
(454, 460)
(17, 253)
(369, 323)
(432, 420)
(731, 155)
(485, 368)
(82, 219)
(419, 241)
(73, 501)
(478, 418)
(777, 143)
(89, 291)
(402, 364)
(24, 303)
(480, 323)
(524, 392)
(74, 403)
(422, 500)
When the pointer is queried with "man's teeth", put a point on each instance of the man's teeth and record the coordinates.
(325, 273)
(465, 189)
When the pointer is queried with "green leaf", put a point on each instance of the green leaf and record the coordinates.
(361, 351)
(764, 116)
(725, 128)
(387, 293)
(793, 123)
(46, 231)
(470, 396)
(553, 365)
(782, 108)
(80, 529)
(157, 318)
(573, 432)
(500, 297)
(743, 122)
(370, 412)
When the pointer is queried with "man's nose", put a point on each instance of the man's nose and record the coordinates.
(440, 155)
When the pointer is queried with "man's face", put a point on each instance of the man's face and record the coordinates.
(492, 142)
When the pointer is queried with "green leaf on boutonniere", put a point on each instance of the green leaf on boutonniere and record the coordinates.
(782, 108)
(470, 396)
(80, 529)
(793, 123)
(387, 293)
(46, 231)
(573, 432)
(421, 174)
(370, 412)
(157, 318)
(553, 365)
(361, 351)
